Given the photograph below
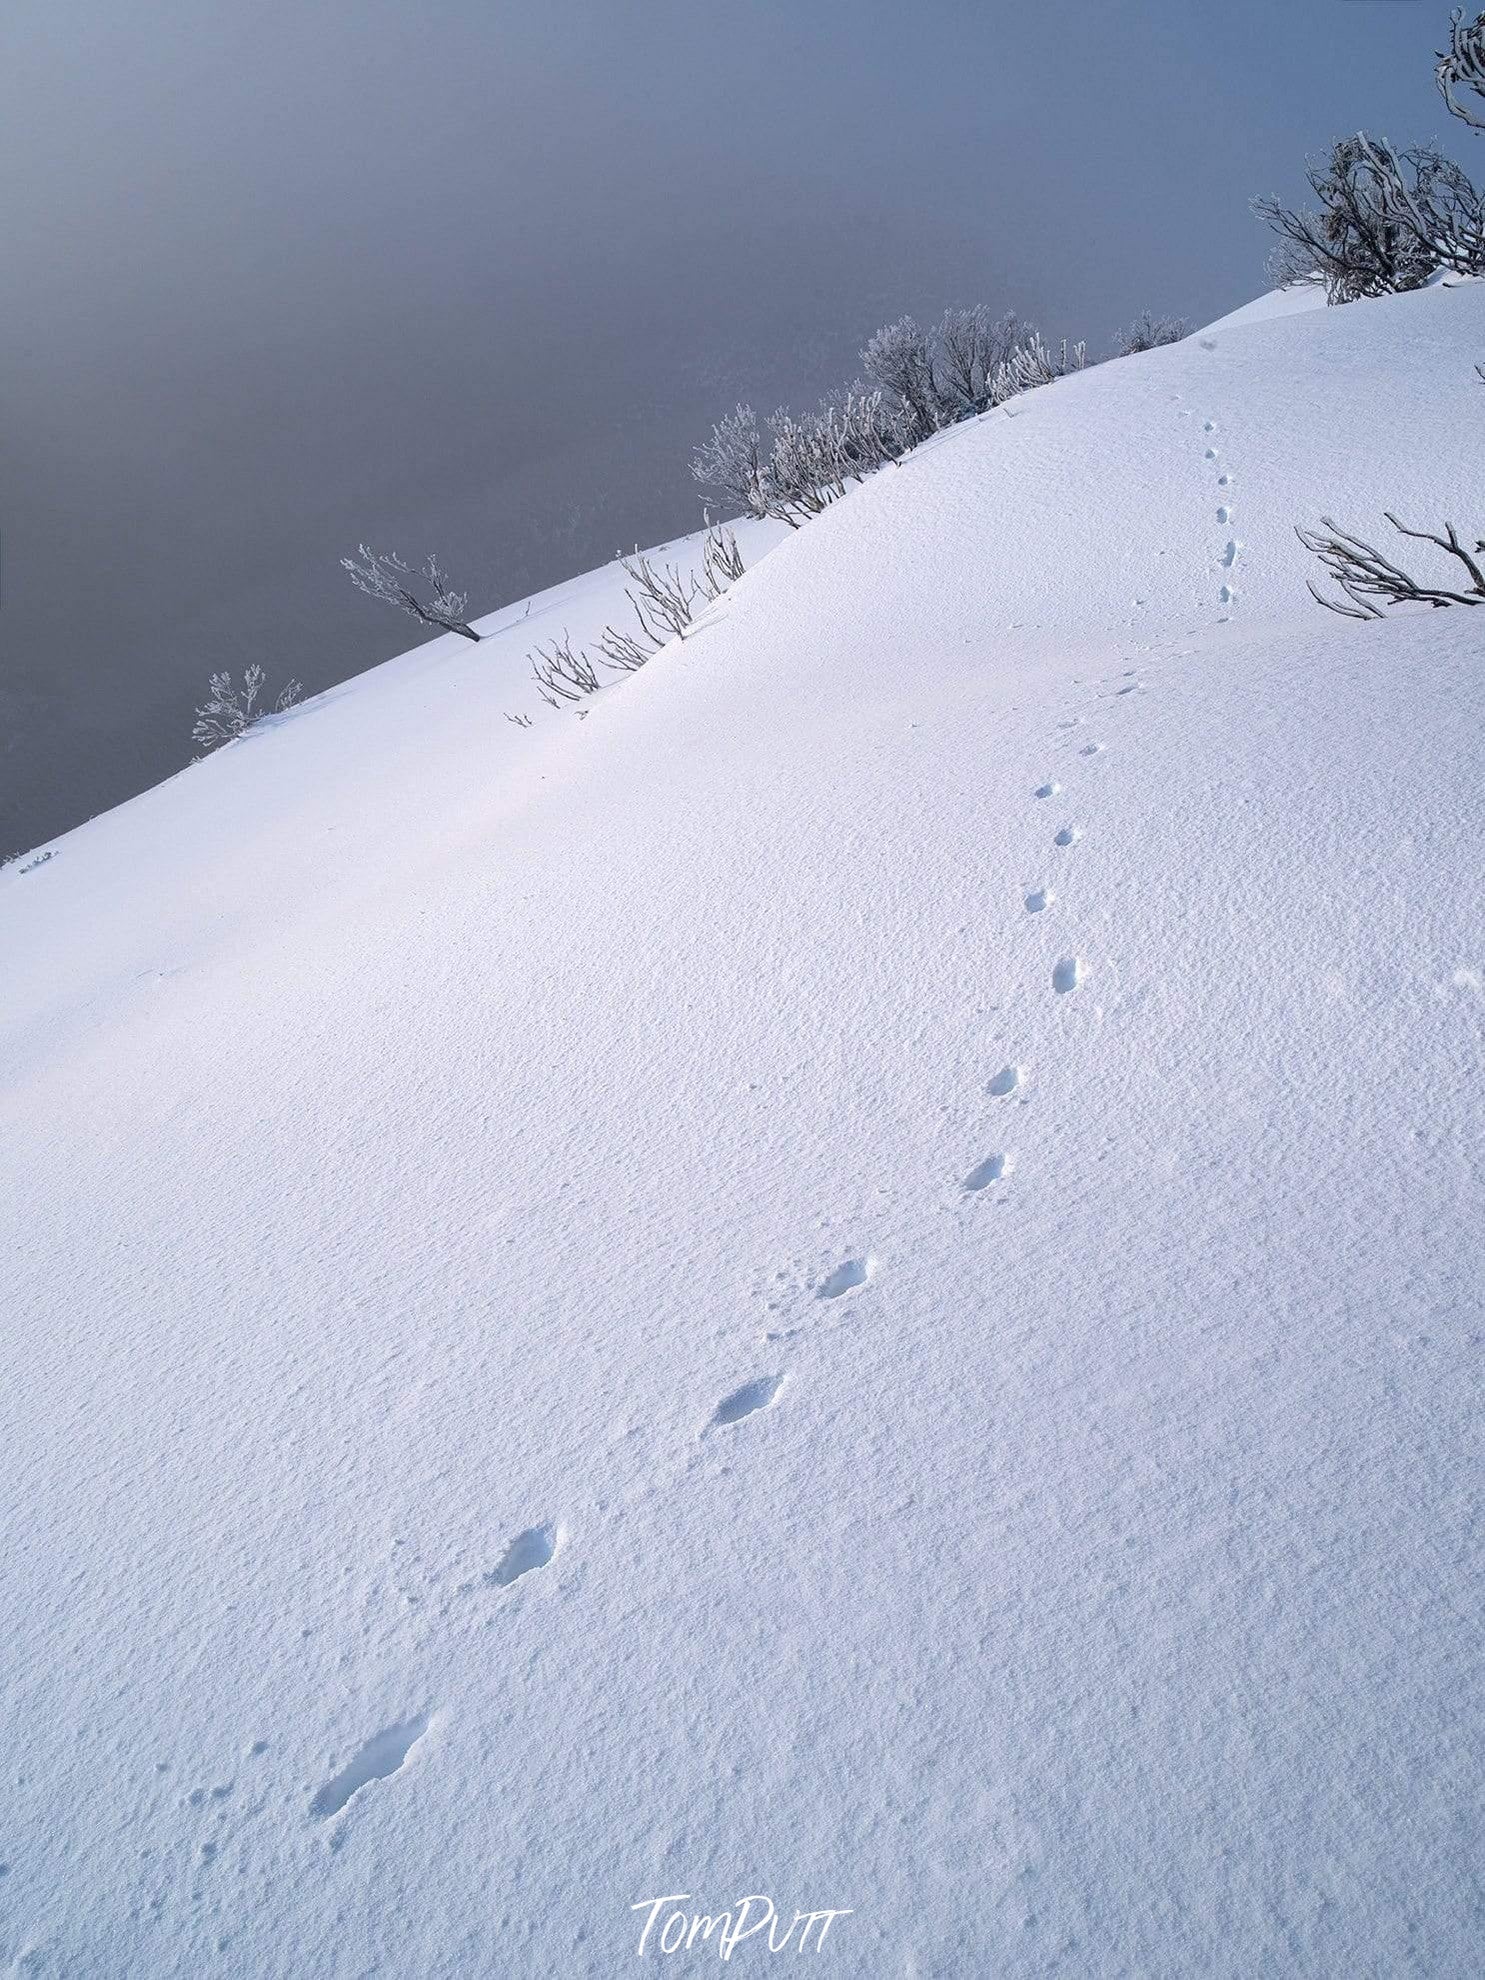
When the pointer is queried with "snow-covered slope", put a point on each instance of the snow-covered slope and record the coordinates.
(857, 1278)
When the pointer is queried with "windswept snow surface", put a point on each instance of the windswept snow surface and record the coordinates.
(858, 1278)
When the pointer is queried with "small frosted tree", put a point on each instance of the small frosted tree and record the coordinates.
(230, 711)
(389, 580)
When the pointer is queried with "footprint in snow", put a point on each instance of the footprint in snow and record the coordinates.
(758, 1394)
(1047, 790)
(852, 1272)
(1039, 900)
(1006, 1082)
(1067, 975)
(1209, 426)
(1092, 749)
(989, 1171)
(379, 1758)
(1231, 554)
(534, 1548)
(1227, 595)
(1224, 514)
(1068, 836)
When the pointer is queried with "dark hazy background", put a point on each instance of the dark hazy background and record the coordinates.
(474, 276)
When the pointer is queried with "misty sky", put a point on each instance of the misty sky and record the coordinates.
(475, 276)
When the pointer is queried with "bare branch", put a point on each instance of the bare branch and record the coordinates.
(1365, 573)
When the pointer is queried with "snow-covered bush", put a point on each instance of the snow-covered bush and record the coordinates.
(1462, 67)
(230, 711)
(389, 580)
(1387, 219)
(1148, 332)
(1364, 574)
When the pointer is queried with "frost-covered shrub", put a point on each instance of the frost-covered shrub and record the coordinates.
(389, 580)
(899, 358)
(1034, 362)
(230, 711)
(969, 350)
(731, 462)
(917, 382)
(1149, 332)
(664, 601)
(1387, 219)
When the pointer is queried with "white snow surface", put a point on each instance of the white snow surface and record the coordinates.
(858, 1278)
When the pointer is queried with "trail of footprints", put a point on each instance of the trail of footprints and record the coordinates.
(528, 1552)
(1232, 549)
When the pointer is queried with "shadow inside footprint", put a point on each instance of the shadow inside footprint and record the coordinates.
(845, 1278)
(1067, 975)
(752, 1396)
(1005, 1081)
(532, 1549)
(990, 1171)
(382, 1755)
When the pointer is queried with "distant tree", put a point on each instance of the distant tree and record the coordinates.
(230, 711)
(389, 580)
(1148, 332)
(1461, 66)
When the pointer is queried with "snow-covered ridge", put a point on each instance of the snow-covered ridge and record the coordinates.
(857, 1277)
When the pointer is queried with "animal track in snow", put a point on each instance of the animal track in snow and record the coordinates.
(1231, 554)
(1224, 514)
(989, 1171)
(746, 1401)
(1039, 900)
(849, 1274)
(1092, 749)
(1227, 595)
(1067, 975)
(1210, 454)
(1006, 1081)
(380, 1757)
(1047, 790)
(532, 1549)
(1068, 836)
(1209, 426)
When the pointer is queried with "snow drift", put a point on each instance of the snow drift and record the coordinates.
(856, 1279)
